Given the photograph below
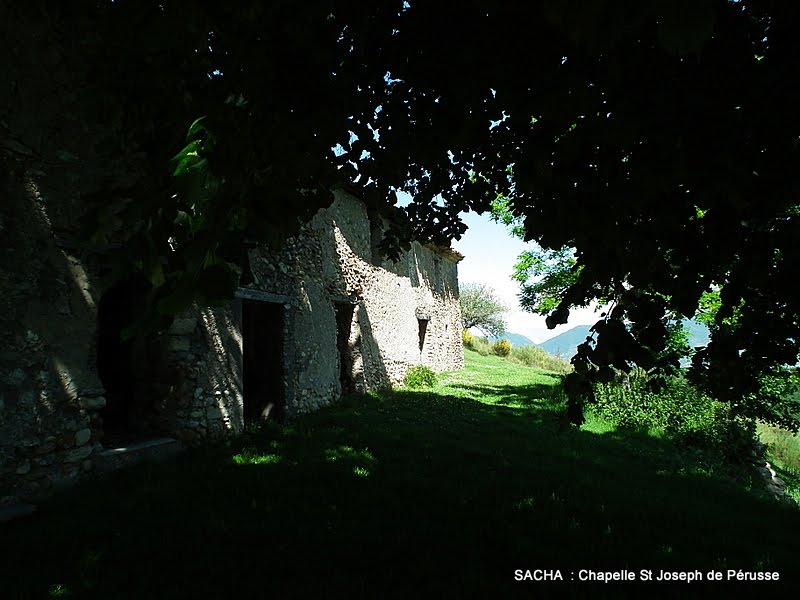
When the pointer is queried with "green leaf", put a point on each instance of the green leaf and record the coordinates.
(196, 128)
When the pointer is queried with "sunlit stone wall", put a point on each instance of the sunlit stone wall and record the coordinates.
(51, 396)
(389, 298)
(331, 261)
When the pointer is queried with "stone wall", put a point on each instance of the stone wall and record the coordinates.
(390, 297)
(62, 141)
(59, 144)
(51, 395)
(328, 264)
(49, 389)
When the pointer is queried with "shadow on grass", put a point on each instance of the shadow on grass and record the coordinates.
(534, 395)
(413, 492)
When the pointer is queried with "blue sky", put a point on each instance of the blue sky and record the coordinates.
(489, 256)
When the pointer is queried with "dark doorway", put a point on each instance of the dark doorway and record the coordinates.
(423, 329)
(126, 360)
(262, 368)
(344, 323)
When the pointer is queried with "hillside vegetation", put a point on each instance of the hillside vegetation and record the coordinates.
(527, 355)
(516, 339)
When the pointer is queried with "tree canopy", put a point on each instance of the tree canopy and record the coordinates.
(656, 139)
(482, 309)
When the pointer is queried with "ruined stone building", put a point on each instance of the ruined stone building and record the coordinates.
(326, 316)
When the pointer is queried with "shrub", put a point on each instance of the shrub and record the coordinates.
(533, 356)
(420, 376)
(477, 344)
(678, 410)
(468, 339)
(501, 348)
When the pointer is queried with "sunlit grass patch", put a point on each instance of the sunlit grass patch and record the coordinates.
(784, 446)
(525, 504)
(58, 591)
(253, 457)
(348, 452)
(783, 452)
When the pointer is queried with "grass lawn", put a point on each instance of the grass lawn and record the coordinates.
(436, 493)
(784, 455)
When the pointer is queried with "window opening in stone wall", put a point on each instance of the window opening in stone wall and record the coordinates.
(129, 364)
(263, 361)
(344, 323)
(423, 329)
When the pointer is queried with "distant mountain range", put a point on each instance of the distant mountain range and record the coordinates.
(566, 344)
(516, 339)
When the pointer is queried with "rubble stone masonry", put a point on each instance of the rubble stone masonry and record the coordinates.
(324, 319)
